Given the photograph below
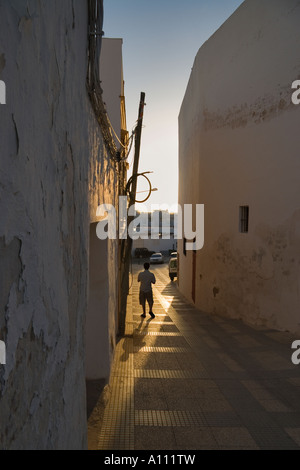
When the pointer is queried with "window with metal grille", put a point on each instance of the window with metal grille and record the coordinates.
(244, 219)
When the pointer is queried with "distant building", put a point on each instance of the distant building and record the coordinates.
(239, 156)
(157, 232)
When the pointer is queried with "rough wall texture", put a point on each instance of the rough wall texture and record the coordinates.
(52, 177)
(238, 132)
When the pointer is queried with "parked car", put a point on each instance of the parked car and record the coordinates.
(173, 254)
(173, 268)
(156, 258)
(142, 253)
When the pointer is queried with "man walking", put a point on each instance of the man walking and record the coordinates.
(146, 278)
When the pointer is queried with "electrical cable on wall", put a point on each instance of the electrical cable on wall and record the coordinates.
(123, 146)
(95, 10)
(95, 15)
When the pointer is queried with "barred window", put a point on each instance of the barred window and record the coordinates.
(244, 219)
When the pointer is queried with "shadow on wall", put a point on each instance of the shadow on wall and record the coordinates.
(94, 394)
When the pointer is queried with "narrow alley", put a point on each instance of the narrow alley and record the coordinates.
(187, 380)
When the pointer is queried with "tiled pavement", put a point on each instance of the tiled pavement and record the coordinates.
(187, 380)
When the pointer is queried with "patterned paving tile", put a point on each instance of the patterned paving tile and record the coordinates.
(169, 374)
(160, 349)
(190, 380)
(168, 418)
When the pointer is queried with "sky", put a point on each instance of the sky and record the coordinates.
(160, 41)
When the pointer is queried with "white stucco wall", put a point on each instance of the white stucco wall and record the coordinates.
(53, 173)
(238, 133)
(111, 75)
(102, 314)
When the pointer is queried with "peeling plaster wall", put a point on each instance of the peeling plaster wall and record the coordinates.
(239, 133)
(102, 314)
(54, 172)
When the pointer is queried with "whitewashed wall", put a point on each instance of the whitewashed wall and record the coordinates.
(111, 75)
(239, 145)
(102, 315)
(54, 172)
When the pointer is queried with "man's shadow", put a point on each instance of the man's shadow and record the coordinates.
(138, 338)
(140, 332)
